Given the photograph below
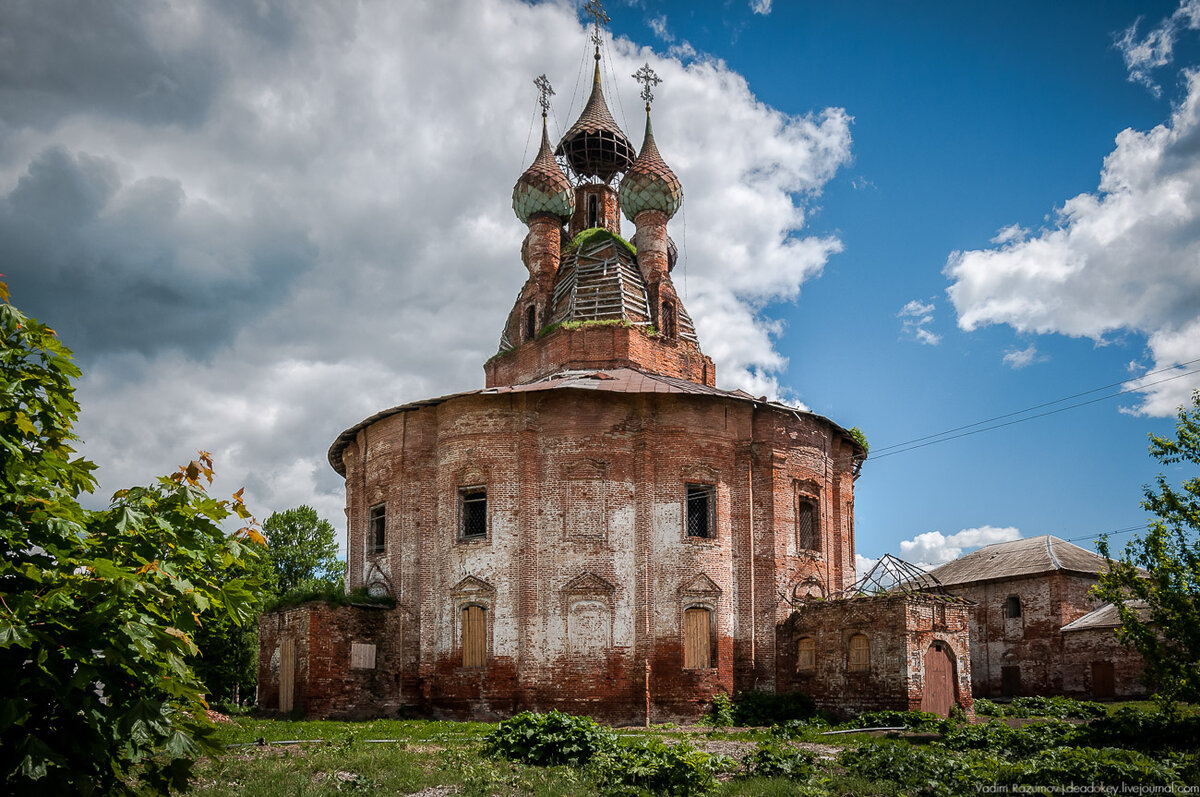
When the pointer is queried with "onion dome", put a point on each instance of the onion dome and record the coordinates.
(649, 184)
(543, 188)
(595, 146)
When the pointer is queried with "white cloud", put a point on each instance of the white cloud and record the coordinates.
(1125, 258)
(1023, 358)
(1157, 48)
(261, 223)
(1013, 233)
(863, 565)
(914, 320)
(760, 6)
(659, 26)
(933, 548)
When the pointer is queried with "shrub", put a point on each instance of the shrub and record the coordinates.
(1011, 742)
(772, 760)
(1072, 766)
(1057, 707)
(653, 766)
(798, 729)
(913, 720)
(721, 713)
(934, 772)
(769, 708)
(1144, 730)
(987, 708)
(551, 739)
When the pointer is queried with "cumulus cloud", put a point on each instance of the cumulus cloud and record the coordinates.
(1125, 258)
(863, 564)
(933, 548)
(1023, 358)
(260, 223)
(915, 318)
(1144, 54)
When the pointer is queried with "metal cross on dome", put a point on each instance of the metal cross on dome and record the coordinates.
(596, 11)
(545, 92)
(649, 79)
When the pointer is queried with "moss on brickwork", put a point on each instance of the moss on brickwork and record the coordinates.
(597, 235)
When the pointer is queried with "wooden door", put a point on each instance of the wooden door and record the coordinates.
(697, 649)
(287, 674)
(938, 696)
(474, 636)
(1103, 679)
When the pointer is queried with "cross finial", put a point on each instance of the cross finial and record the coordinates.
(649, 79)
(545, 92)
(594, 10)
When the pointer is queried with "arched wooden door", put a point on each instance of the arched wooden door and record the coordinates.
(938, 696)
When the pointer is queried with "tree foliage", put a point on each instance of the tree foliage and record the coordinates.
(1160, 604)
(98, 609)
(302, 550)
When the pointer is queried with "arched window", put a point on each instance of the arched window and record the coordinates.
(530, 322)
(806, 654)
(667, 319)
(593, 211)
(474, 636)
(860, 654)
(697, 641)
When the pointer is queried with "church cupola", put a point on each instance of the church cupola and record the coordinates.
(595, 146)
(543, 188)
(650, 184)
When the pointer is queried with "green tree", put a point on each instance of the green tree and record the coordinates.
(1160, 604)
(302, 550)
(98, 609)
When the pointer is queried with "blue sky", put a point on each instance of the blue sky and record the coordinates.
(260, 223)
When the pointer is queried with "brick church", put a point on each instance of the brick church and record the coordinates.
(599, 529)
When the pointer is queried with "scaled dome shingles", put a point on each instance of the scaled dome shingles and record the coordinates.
(650, 184)
(543, 188)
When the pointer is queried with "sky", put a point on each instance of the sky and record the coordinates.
(257, 223)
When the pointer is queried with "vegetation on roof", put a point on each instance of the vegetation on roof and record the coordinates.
(597, 235)
(861, 439)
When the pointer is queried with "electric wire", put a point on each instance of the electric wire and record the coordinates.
(1051, 403)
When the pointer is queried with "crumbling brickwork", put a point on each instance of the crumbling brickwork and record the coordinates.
(899, 633)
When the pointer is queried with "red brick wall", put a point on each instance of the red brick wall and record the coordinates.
(1082, 648)
(900, 631)
(1034, 641)
(586, 521)
(598, 347)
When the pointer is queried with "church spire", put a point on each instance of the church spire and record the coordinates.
(649, 184)
(543, 188)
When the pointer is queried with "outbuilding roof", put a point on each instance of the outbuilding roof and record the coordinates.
(1044, 554)
(1106, 617)
(614, 380)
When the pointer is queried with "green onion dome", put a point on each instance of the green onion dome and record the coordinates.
(543, 188)
(650, 184)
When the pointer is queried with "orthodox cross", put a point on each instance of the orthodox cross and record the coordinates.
(594, 10)
(545, 92)
(649, 79)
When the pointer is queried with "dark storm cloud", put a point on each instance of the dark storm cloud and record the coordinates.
(63, 57)
(140, 266)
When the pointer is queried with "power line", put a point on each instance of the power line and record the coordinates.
(1050, 403)
(898, 449)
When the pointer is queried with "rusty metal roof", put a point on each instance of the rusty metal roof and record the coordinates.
(1106, 617)
(614, 380)
(1044, 554)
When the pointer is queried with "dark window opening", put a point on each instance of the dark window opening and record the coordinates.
(1010, 681)
(377, 529)
(667, 318)
(593, 211)
(530, 322)
(700, 510)
(472, 512)
(1012, 606)
(807, 537)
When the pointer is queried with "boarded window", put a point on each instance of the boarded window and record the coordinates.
(472, 512)
(860, 654)
(806, 655)
(667, 318)
(697, 645)
(378, 529)
(1012, 606)
(362, 656)
(474, 636)
(700, 510)
(807, 537)
(530, 322)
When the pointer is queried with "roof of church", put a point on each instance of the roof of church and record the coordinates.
(595, 146)
(1025, 557)
(615, 380)
(650, 184)
(543, 187)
